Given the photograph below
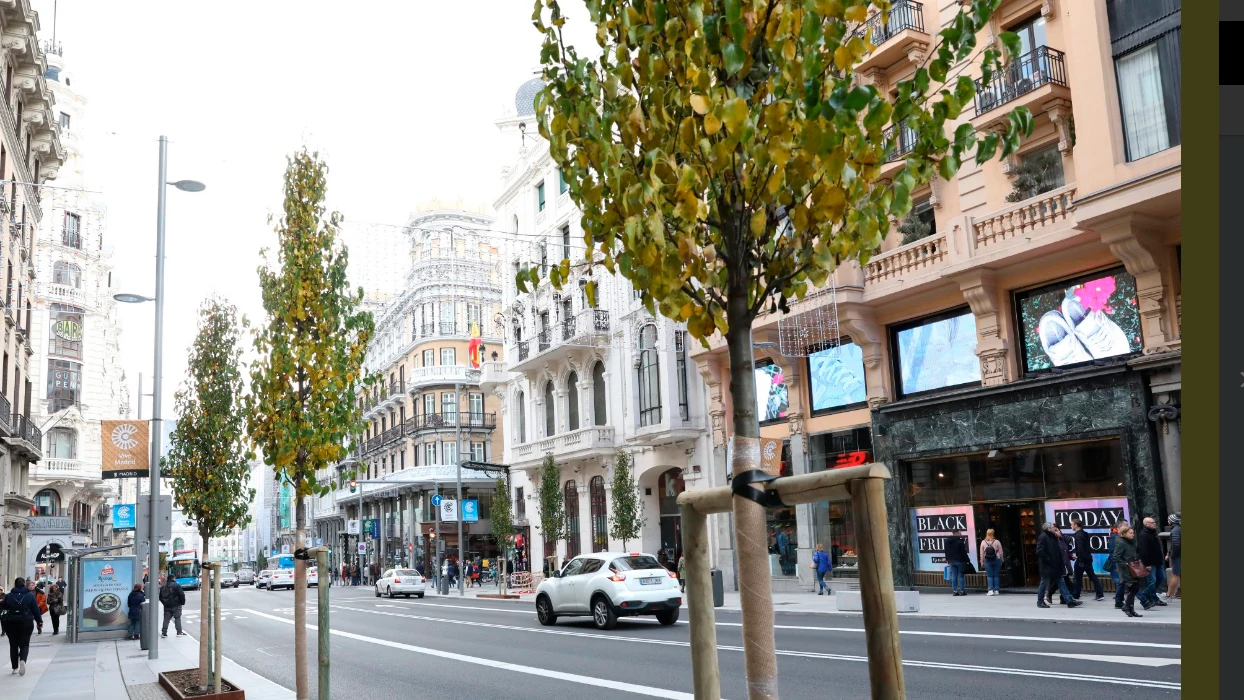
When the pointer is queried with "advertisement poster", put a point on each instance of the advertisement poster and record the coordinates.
(1091, 318)
(938, 354)
(123, 516)
(837, 376)
(470, 510)
(1098, 515)
(772, 395)
(287, 504)
(125, 448)
(931, 527)
(106, 585)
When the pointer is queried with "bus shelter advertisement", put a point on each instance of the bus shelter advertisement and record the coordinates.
(1097, 516)
(933, 526)
(106, 585)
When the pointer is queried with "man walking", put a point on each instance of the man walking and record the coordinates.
(1150, 550)
(172, 598)
(1052, 567)
(1110, 563)
(1084, 561)
(956, 551)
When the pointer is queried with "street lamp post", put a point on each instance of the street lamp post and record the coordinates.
(153, 539)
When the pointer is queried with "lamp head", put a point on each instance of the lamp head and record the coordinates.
(189, 185)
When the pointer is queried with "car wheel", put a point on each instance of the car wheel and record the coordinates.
(377, 592)
(544, 611)
(407, 596)
(390, 592)
(603, 613)
(668, 617)
(419, 596)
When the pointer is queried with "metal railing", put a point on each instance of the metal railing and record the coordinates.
(447, 419)
(397, 388)
(5, 407)
(904, 14)
(904, 140)
(524, 347)
(27, 430)
(545, 339)
(1041, 66)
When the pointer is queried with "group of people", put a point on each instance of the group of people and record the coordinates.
(172, 599)
(21, 613)
(354, 575)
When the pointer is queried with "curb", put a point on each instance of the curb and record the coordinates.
(970, 618)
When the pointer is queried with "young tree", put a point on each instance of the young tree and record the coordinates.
(626, 521)
(726, 157)
(302, 410)
(207, 455)
(501, 515)
(552, 505)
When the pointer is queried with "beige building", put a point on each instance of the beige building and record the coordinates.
(1013, 351)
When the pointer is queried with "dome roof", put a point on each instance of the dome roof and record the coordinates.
(525, 98)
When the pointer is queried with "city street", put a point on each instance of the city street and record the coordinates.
(497, 649)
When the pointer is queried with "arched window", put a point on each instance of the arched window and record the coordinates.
(600, 521)
(572, 520)
(649, 377)
(550, 415)
(572, 402)
(598, 394)
(67, 273)
(47, 502)
(62, 443)
(520, 417)
(179, 543)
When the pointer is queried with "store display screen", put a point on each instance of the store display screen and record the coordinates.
(1091, 318)
(837, 377)
(1098, 516)
(772, 395)
(931, 527)
(938, 354)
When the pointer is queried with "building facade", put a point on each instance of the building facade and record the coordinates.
(1013, 351)
(30, 154)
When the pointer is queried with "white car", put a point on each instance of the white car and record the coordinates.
(281, 578)
(313, 577)
(264, 578)
(609, 585)
(397, 582)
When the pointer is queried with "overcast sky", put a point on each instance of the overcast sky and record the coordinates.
(400, 97)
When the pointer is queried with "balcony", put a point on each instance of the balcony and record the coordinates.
(594, 441)
(57, 468)
(70, 295)
(493, 374)
(449, 421)
(438, 375)
(5, 407)
(1030, 80)
(894, 38)
(578, 331)
(25, 437)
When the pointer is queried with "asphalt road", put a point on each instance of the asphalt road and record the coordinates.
(448, 648)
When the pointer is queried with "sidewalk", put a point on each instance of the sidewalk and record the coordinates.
(115, 670)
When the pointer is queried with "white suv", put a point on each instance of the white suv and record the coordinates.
(609, 585)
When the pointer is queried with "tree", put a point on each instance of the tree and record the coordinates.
(207, 460)
(626, 520)
(302, 410)
(914, 228)
(501, 515)
(552, 505)
(1036, 175)
(726, 158)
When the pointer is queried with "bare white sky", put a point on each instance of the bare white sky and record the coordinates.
(400, 96)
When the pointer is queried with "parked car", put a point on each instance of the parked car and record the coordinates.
(313, 576)
(609, 585)
(265, 577)
(246, 576)
(404, 582)
(281, 578)
(228, 579)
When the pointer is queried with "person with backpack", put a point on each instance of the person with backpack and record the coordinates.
(18, 616)
(135, 611)
(991, 554)
(172, 597)
(956, 553)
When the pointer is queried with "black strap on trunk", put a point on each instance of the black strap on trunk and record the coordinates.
(741, 485)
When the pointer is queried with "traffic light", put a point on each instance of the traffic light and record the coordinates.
(354, 484)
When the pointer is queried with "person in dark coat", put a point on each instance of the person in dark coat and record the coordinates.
(1173, 557)
(1084, 562)
(956, 551)
(1150, 549)
(1052, 566)
(1124, 552)
(19, 624)
(1065, 547)
(135, 612)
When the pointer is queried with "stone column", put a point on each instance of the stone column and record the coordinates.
(980, 290)
(1166, 415)
(717, 468)
(803, 511)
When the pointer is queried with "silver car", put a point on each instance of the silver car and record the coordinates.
(246, 576)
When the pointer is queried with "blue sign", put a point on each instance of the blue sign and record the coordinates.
(373, 528)
(124, 516)
(470, 511)
(436, 501)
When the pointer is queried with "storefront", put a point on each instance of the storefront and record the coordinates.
(832, 524)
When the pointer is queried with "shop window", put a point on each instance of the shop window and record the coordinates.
(836, 378)
(600, 521)
(772, 394)
(669, 486)
(1080, 320)
(572, 519)
(937, 352)
(572, 401)
(600, 410)
(1086, 470)
(47, 502)
(939, 482)
(846, 448)
(782, 530)
(65, 330)
(649, 378)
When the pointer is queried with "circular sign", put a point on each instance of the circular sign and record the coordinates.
(468, 508)
(123, 436)
(436, 501)
(68, 329)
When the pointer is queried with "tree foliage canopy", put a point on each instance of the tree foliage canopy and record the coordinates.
(552, 502)
(626, 521)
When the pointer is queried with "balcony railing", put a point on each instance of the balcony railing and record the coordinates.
(82, 526)
(5, 407)
(437, 421)
(925, 252)
(524, 347)
(585, 323)
(397, 388)
(904, 140)
(545, 339)
(27, 430)
(1041, 66)
(597, 437)
(437, 374)
(57, 467)
(1024, 217)
(904, 14)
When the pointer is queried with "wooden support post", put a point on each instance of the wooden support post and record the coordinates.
(704, 670)
(217, 666)
(321, 558)
(885, 665)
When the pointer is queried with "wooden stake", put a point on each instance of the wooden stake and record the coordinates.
(699, 584)
(885, 662)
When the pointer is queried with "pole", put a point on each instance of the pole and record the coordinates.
(458, 459)
(217, 666)
(885, 662)
(705, 674)
(321, 558)
(153, 548)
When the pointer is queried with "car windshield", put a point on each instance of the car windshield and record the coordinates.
(228, 575)
(635, 562)
(406, 572)
(286, 572)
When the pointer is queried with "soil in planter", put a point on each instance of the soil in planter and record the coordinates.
(188, 683)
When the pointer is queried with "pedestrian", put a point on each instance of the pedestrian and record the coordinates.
(1084, 562)
(1052, 567)
(41, 599)
(453, 572)
(476, 572)
(1065, 547)
(135, 605)
(682, 572)
(1127, 563)
(56, 606)
(172, 597)
(1173, 558)
(1150, 549)
(345, 574)
(1110, 567)
(821, 565)
(21, 612)
(991, 555)
(955, 549)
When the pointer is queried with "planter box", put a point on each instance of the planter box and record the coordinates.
(185, 684)
(904, 601)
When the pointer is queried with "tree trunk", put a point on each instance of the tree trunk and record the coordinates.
(750, 522)
(205, 590)
(302, 683)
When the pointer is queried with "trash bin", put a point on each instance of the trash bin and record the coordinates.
(146, 626)
(719, 589)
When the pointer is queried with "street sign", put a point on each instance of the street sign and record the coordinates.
(123, 516)
(436, 500)
(470, 511)
(164, 523)
(319, 542)
(284, 549)
(362, 548)
(449, 511)
(352, 527)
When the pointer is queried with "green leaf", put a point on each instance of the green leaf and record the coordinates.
(986, 148)
(965, 136)
(937, 70)
(735, 57)
(858, 98)
(1011, 42)
(921, 81)
(1021, 117)
(948, 166)
(734, 114)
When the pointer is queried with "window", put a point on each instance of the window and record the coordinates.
(561, 182)
(65, 330)
(47, 502)
(836, 377)
(62, 443)
(64, 384)
(67, 274)
(566, 242)
(64, 121)
(936, 352)
(572, 402)
(520, 417)
(600, 521)
(447, 356)
(429, 358)
(649, 377)
(448, 320)
(1031, 35)
(429, 404)
(449, 406)
(1145, 45)
(544, 259)
(573, 548)
(450, 451)
(72, 233)
(599, 407)
(520, 504)
(550, 416)
(1091, 317)
(429, 453)
(684, 410)
(540, 196)
(475, 404)
(473, 317)
(477, 451)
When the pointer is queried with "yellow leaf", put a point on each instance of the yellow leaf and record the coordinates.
(842, 57)
(734, 113)
(700, 104)
(758, 222)
(856, 13)
(711, 124)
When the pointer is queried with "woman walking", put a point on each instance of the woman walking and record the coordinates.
(1173, 557)
(991, 554)
(135, 605)
(41, 599)
(821, 565)
(21, 614)
(1125, 556)
(56, 606)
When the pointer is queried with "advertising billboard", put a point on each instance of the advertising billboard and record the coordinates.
(937, 353)
(125, 448)
(105, 587)
(932, 526)
(772, 394)
(1093, 317)
(836, 376)
(1098, 516)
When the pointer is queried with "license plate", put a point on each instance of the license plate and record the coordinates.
(650, 581)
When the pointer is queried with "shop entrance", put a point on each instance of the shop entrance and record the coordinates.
(670, 485)
(1015, 525)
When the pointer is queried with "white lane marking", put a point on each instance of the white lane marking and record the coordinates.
(1151, 661)
(802, 654)
(517, 668)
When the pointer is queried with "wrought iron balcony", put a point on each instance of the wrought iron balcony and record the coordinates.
(904, 14)
(545, 338)
(904, 140)
(1041, 66)
(523, 349)
(443, 420)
